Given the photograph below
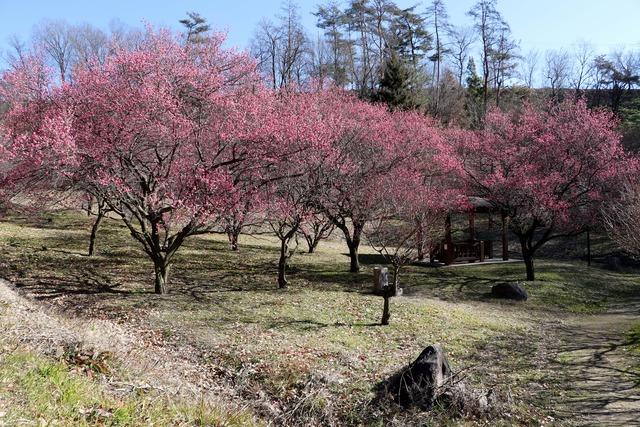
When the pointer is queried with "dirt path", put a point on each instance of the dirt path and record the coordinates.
(599, 388)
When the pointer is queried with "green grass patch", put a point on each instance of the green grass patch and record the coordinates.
(37, 389)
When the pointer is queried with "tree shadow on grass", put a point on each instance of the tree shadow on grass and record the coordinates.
(455, 288)
(592, 370)
(51, 287)
(371, 259)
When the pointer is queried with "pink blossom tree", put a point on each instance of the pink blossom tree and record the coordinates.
(316, 228)
(245, 215)
(418, 193)
(548, 170)
(288, 210)
(362, 149)
(163, 133)
(299, 123)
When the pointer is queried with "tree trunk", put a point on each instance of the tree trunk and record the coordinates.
(421, 254)
(354, 245)
(233, 240)
(505, 241)
(313, 246)
(528, 262)
(282, 265)
(162, 276)
(385, 311)
(527, 256)
(588, 247)
(353, 255)
(94, 231)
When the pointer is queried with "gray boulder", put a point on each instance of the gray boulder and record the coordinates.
(429, 381)
(420, 383)
(513, 291)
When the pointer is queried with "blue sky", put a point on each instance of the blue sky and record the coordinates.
(539, 24)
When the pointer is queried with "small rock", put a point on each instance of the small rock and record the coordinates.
(513, 291)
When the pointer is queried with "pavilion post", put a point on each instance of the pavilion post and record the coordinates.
(472, 226)
(588, 247)
(505, 242)
(447, 247)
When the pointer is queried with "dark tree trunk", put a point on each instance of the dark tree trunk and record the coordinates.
(353, 242)
(505, 241)
(528, 262)
(312, 241)
(354, 245)
(94, 232)
(353, 256)
(421, 254)
(589, 247)
(385, 311)
(282, 264)
(527, 256)
(162, 275)
(233, 240)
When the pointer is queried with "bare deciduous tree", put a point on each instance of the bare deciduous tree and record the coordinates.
(56, 39)
(557, 70)
(88, 43)
(18, 51)
(622, 219)
(282, 48)
(439, 18)
(489, 24)
(503, 61)
(528, 67)
(461, 40)
(583, 65)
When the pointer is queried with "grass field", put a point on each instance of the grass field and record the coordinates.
(313, 353)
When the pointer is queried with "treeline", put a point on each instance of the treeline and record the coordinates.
(417, 57)
(410, 58)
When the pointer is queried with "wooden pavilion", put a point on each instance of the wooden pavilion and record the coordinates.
(472, 248)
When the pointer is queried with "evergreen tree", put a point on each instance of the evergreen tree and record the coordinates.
(411, 37)
(396, 88)
(474, 104)
(196, 26)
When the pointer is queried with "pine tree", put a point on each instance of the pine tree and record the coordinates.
(197, 27)
(475, 93)
(396, 88)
